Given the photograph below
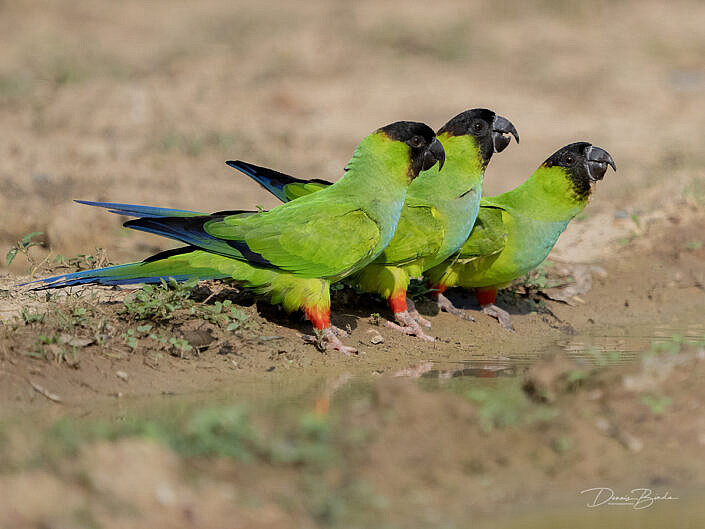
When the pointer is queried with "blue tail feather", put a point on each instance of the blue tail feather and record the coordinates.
(130, 273)
(96, 276)
(272, 181)
(134, 210)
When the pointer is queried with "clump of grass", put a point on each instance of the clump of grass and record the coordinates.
(222, 313)
(213, 431)
(62, 331)
(507, 404)
(159, 302)
(162, 302)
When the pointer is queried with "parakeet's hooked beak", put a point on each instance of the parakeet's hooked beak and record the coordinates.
(434, 153)
(597, 162)
(500, 130)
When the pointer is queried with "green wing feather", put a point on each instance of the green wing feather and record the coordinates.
(300, 189)
(312, 247)
(489, 235)
(417, 223)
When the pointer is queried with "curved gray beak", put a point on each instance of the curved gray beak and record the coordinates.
(597, 162)
(434, 153)
(500, 130)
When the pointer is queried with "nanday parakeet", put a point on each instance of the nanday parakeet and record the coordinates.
(515, 231)
(438, 214)
(293, 252)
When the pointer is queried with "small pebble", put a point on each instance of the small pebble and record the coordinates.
(376, 339)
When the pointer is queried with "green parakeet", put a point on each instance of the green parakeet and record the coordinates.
(293, 252)
(438, 214)
(515, 231)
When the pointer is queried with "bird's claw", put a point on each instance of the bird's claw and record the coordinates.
(327, 339)
(415, 313)
(444, 304)
(409, 325)
(501, 315)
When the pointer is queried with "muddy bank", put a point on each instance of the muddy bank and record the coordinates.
(396, 452)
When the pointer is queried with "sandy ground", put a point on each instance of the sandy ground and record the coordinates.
(142, 103)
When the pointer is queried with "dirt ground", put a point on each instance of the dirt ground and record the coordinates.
(215, 418)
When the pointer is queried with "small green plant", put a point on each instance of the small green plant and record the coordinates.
(180, 345)
(130, 338)
(47, 340)
(23, 245)
(219, 314)
(418, 290)
(67, 319)
(83, 261)
(538, 278)
(656, 403)
(499, 408)
(562, 444)
(31, 317)
(159, 302)
(635, 219)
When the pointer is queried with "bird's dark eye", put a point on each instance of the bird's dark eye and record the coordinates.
(416, 142)
(477, 126)
(569, 159)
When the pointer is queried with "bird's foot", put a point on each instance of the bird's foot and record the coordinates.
(327, 339)
(501, 315)
(447, 305)
(415, 313)
(409, 325)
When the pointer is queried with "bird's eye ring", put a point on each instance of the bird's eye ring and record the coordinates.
(477, 126)
(569, 159)
(416, 142)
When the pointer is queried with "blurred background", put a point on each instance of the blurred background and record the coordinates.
(142, 102)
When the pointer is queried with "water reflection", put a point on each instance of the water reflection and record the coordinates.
(618, 347)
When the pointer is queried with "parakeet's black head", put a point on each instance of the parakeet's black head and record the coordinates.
(426, 150)
(491, 131)
(584, 164)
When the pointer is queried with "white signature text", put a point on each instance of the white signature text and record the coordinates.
(640, 498)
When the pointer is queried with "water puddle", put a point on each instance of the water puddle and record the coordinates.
(614, 347)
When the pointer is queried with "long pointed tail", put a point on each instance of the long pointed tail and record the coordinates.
(282, 186)
(181, 264)
(134, 210)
